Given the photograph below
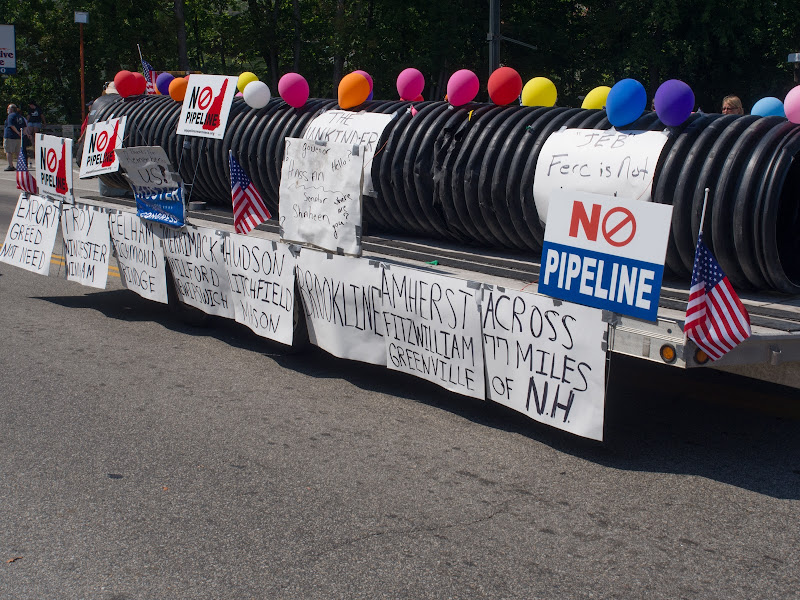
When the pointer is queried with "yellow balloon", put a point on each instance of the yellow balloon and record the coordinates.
(244, 79)
(539, 91)
(596, 98)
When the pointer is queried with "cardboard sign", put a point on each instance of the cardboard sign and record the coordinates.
(261, 276)
(102, 139)
(605, 252)
(342, 303)
(156, 186)
(610, 163)
(207, 105)
(54, 167)
(87, 244)
(137, 244)
(345, 127)
(433, 329)
(320, 195)
(198, 268)
(31, 234)
(545, 359)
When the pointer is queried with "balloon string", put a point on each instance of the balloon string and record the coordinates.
(378, 152)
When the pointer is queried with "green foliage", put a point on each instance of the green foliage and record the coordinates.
(735, 46)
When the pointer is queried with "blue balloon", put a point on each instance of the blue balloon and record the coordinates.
(674, 101)
(626, 102)
(162, 83)
(768, 107)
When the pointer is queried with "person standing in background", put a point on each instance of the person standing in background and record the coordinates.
(731, 105)
(35, 122)
(12, 136)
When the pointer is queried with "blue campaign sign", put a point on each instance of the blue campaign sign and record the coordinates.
(605, 252)
(167, 207)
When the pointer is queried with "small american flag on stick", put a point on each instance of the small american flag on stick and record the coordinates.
(25, 181)
(716, 320)
(248, 206)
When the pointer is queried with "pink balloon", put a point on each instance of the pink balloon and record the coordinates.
(367, 76)
(239, 95)
(462, 87)
(410, 83)
(293, 88)
(791, 105)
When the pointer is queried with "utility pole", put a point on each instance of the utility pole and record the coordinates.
(494, 36)
(80, 19)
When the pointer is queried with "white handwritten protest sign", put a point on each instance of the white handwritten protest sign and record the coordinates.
(611, 163)
(31, 234)
(102, 139)
(206, 106)
(342, 302)
(320, 195)
(87, 244)
(156, 186)
(345, 127)
(433, 329)
(545, 359)
(141, 260)
(261, 276)
(198, 268)
(54, 167)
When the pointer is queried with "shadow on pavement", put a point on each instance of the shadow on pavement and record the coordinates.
(659, 419)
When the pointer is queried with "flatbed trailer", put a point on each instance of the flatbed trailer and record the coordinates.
(771, 354)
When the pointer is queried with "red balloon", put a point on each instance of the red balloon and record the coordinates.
(125, 83)
(140, 83)
(505, 86)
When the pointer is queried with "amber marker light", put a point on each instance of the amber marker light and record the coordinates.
(700, 357)
(668, 354)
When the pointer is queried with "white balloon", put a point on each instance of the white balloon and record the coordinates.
(256, 94)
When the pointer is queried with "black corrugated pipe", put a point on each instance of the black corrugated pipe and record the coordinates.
(466, 174)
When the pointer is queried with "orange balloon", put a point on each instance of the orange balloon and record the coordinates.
(353, 90)
(177, 88)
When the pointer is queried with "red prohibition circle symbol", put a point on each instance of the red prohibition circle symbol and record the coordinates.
(615, 230)
(204, 99)
(102, 140)
(52, 160)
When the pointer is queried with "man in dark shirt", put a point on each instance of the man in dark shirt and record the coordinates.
(12, 136)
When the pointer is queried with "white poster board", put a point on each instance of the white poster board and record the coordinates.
(433, 328)
(597, 161)
(345, 127)
(87, 244)
(54, 167)
(31, 234)
(341, 298)
(261, 276)
(320, 195)
(101, 141)
(207, 105)
(137, 244)
(545, 359)
(198, 268)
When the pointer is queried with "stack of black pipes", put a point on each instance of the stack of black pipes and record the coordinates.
(466, 174)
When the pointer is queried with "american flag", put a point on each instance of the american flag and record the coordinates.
(716, 320)
(248, 207)
(25, 181)
(149, 76)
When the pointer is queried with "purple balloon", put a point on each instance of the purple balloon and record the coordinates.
(674, 101)
(162, 83)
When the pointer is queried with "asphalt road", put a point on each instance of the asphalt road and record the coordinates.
(144, 459)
